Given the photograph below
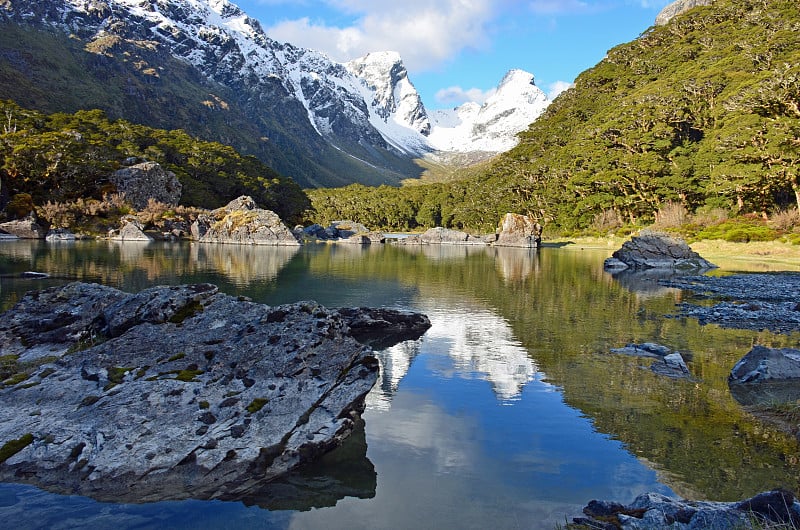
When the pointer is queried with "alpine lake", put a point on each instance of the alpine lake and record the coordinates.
(510, 412)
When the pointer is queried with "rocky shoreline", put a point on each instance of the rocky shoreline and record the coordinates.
(753, 301)
(242, 222)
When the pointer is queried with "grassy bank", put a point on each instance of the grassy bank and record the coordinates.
(754, 256)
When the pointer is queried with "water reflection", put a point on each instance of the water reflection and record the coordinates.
(481, 345)
(510, 412)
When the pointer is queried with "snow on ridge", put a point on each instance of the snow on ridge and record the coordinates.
(493, 126)
(373, 93)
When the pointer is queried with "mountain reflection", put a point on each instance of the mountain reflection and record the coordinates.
(480, 344)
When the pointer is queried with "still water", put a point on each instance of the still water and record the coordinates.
(510, 412)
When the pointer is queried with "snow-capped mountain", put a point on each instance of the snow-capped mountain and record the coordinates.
(364, 113)
(494, 125)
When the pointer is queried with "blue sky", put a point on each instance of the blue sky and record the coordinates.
(459, 50)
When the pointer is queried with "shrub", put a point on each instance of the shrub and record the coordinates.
(786, 220)
(607, 221)
(671, 215)
(20, 205)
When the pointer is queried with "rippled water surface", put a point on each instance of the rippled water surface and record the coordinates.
(510, 412)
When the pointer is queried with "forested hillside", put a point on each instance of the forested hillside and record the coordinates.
(64, 157)
(703, 112)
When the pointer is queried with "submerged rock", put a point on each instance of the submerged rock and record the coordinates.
(175, 392)
(651, 250)
(668, 363)
(652, 511)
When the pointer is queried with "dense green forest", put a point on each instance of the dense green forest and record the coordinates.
(703, 112)
(60, 158)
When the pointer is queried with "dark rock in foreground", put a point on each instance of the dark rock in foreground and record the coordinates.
(175, 392)
(651, 250)
(652, 511)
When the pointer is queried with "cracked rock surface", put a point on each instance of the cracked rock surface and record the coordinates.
(174, 392)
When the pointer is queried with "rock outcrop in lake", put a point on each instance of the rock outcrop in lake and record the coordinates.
(766, 376)
(442, 236)
(669, 363)
(177, 392)
(242, 222)
(519, 231)
(340, 231)
(653, 250)
(653, 511)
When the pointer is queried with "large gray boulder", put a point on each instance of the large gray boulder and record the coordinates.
(175, 392)
(519, 231)
(28, 228)
(767, 364)
(147, 180)
(653, 250)
(241, 222)
(131, 230)
(442, 236)
(766, 376)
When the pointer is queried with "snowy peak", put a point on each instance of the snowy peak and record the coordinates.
(366, 109)
(493, 126)
(394, 95)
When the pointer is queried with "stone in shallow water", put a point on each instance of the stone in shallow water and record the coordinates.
(652, 250)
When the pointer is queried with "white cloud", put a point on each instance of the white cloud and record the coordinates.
(554, 89)
(426, 34)
(455, 95)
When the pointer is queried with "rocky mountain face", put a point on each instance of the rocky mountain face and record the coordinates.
(207, 67)
(493, 126)
(677, 8)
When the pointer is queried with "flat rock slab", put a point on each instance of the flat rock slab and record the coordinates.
(174, 392)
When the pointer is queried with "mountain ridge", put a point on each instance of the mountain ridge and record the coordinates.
(309, 117)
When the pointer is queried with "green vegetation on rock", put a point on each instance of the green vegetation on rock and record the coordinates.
(13, 447)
